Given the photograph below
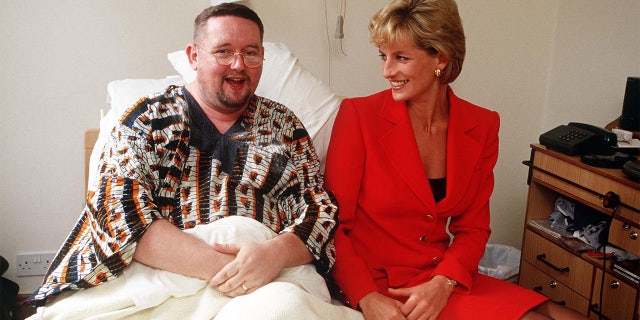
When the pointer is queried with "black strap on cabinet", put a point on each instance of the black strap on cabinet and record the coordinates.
(611, 200)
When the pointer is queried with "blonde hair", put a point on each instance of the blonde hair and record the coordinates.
(433, 25)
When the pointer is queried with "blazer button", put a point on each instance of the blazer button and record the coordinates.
(428, 218)
(436, 260)
(423, 238)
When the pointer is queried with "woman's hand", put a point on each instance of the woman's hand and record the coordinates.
(425, 301)
(376, 306)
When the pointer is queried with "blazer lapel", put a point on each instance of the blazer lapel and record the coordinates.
(463, 151)
(400, 148)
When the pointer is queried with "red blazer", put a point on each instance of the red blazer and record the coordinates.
(391, 232)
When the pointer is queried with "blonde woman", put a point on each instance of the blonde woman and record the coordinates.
(405, 161)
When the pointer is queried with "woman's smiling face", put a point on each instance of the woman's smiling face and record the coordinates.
(409, 69)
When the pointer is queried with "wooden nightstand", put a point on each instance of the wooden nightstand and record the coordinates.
(570, 278)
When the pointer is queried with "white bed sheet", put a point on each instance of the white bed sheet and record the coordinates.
(147, 293)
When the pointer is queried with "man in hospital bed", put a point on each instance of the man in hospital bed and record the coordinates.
(203, 183)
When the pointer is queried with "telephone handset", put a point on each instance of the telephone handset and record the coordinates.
(579, 138)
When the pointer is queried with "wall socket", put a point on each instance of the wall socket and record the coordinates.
(33, 264)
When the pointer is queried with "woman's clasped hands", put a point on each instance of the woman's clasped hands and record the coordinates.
(422, 302)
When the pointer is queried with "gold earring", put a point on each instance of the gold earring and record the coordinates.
(438, 72)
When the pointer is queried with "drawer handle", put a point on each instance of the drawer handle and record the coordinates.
(633, 235)
(543, 257)
(552, 284)
(614, 284)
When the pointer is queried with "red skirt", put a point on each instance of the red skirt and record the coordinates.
(491, 298)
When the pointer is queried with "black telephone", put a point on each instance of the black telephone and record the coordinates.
(579, 138)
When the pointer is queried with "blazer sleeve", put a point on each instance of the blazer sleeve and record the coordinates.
(344, 170)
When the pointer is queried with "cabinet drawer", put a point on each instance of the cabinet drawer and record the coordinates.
(574, 177)
(624, 236)
(558, 263)
(536, 280)
(618, 300)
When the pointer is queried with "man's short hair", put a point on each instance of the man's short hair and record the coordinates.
(221, 10)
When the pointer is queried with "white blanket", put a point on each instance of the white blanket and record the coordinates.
(148, 293)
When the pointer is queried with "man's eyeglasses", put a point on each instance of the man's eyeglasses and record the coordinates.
(251, 58)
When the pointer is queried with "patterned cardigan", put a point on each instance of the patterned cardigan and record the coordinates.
(165, 160)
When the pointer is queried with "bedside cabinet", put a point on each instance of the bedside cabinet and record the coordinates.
(576, 280)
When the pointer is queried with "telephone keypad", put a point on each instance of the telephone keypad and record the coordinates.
(568, 139)
(571, 135)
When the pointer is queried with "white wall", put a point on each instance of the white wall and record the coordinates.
(538, 63)
(509, 49)
(596, 47)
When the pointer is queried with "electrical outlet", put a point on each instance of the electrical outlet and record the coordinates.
(33, 264)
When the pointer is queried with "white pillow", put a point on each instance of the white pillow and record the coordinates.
(122, 94)
(180, 63)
